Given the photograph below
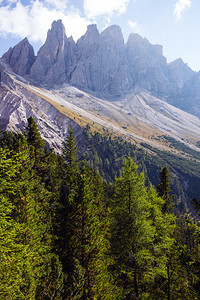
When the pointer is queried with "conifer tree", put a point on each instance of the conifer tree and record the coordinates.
(70, 150)
(88, 242)
(11, 248)
(36, 142)
(33, 135)
(132, 234)
(139, 234)
(26, 214)
(68, 189)
(164, 190)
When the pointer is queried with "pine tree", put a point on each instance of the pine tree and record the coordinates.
(132, 233)
(36, 142)
(70, 150)
(11, 248)
(81, 231)
(88, 242)
(68, 190)
(34, 136)
(140, 234)
(164, 190)
(70, 171)
(25, 216)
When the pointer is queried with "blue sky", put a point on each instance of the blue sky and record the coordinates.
(175, 24)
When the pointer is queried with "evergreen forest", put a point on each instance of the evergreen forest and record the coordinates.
(91, 225)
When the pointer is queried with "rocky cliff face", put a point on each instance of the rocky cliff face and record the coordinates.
(17, 104)
(20, 58)
(101, 65)
(104, 64)
(54, 58)
(148, 66)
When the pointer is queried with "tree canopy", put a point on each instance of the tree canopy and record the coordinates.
(65, 233)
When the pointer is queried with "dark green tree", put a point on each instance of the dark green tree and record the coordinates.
(29, 269)
(34, 136)
(89, 226)
(70, 171)
(37, 144)
(140, 234)
(164, 189)
(11, 247)
(70, 150)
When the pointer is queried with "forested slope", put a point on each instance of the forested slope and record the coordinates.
(67, 234)
(106, 153)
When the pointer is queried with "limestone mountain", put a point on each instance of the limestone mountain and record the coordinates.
(54, 58)
(104, 65)
(18, 102)
(20, 58)
(72, 83)
(147, 65)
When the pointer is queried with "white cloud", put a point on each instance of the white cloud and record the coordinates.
(94, 8)
(58, 4)
(34, 20)
(75, 25)
(180, 8)
(132, 24)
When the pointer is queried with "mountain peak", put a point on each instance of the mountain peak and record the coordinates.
(92, 28)
(113, 29)
(54, 57)
(178, 63)
(57, 32)
(90, 37)
(101, 63)
(20, 57)
(137, 39)
(25, 41)
(113, 32)
(57, 24)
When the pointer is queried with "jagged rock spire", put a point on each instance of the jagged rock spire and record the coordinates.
(21, 57)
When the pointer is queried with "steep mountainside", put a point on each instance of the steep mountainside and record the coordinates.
(138, 117)
(18, 103)
(68, 81)
(55, 57)
(167, 134)
(102, 64)
(20, 58)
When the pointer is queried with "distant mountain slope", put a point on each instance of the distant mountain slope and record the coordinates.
(102, 64)
(162, 133)
(18, 102)
(138, 117)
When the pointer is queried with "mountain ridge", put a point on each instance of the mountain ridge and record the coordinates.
(105, 67)
(139, 117)
(103, 64)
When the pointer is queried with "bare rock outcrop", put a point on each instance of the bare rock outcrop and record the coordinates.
(17, 104)
(20, 58)
(102, 65)
(181, 75)
(55, 57)
(147, 65)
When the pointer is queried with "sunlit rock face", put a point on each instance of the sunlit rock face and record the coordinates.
(55, 58)
(102, 64)
(147, 65)
(20, 58)
(17, 104)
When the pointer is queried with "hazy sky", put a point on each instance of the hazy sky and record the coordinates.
(175, 24)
